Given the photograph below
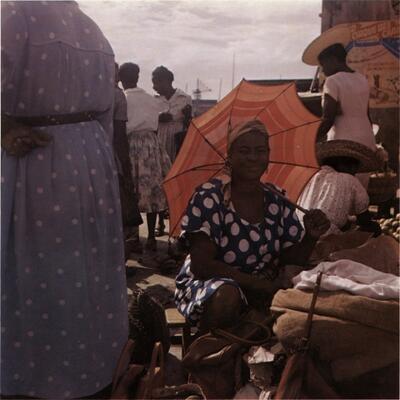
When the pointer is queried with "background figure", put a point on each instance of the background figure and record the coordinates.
(345, 102)
(175, 116)
(64, 310)
(131, 218)
(149, 160)
(336, 191)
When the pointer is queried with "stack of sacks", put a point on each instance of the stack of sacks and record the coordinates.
(336, 242)
(355, 333)
(381, 253)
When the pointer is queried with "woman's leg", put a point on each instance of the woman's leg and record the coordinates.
(160, 231)
(222, 309)
(151, 224)
(151, 243)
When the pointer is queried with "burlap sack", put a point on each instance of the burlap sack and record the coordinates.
(354, 334)
(332, 243)
(381, 253)
(351, 349)
(378, 314)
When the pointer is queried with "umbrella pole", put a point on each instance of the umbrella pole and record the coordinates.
(300, 208)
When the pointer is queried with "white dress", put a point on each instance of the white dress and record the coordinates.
(351, 91)
(337, 194)
(167, 130)
(150, 162)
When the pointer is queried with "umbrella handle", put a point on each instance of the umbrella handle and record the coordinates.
(300, 208)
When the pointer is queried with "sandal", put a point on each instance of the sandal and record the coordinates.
(160, 231)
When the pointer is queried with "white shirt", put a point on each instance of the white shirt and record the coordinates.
(174, 104)
(143, 110)
(167, 130)
(337, 194)
(351, 91)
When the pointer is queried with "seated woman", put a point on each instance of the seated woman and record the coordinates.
(239, 233)
(336, 191)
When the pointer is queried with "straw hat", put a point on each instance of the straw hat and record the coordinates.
(338, 34)
(347, 148)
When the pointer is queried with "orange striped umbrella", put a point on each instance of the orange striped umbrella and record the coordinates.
(292, 132)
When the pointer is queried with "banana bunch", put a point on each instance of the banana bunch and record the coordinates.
(391, 226)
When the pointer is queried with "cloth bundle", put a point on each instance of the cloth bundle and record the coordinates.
(355, 334)
(352, 277)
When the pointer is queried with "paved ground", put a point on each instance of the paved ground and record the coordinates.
(147, 272)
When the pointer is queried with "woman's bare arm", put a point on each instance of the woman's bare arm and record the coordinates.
(329, 113)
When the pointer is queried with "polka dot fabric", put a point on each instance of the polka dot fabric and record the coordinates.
(252, 248)
(63, 286)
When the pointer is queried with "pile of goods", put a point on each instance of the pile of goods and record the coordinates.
(391, 226)
(382, 186)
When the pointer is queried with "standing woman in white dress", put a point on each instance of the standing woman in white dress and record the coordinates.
(175, 115)
(63, 287)
(175, 107)
(345, 102)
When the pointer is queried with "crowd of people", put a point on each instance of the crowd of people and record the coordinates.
(83, 158)
(152, 125)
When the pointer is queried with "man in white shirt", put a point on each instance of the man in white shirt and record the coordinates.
(335, 190)
(131, 218)
(174, 118)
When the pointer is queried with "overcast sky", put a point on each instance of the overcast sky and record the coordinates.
(197, 39)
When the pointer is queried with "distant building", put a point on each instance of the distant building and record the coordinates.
(200, 106)
(336, 12)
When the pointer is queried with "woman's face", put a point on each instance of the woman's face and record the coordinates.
(249, 156)
(160, 85)
(328, 65)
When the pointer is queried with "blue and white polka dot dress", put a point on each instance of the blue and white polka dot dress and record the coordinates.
(252, 248)
(63, 286)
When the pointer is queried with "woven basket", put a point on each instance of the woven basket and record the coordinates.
(382, 187)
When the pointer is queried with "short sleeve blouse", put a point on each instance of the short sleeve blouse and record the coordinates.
(250, 247)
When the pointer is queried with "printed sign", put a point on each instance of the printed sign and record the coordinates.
(374, 52)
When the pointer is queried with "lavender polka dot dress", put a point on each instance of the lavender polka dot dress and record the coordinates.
(63, 288)
(251, 248)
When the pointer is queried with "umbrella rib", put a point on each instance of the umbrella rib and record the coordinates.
(233, 104)
(199, 168)
(295, 127)
(180, 218)
(292, 164)
(272, 101)
(207, 141)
